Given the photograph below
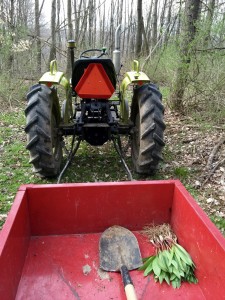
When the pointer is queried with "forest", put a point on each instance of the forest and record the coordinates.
(180, 45)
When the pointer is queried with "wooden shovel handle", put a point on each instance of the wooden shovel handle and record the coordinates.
(128, 284)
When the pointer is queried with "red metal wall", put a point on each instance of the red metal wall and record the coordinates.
(202, 240)
(83, 208)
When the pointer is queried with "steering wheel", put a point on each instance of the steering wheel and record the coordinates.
(103, 52)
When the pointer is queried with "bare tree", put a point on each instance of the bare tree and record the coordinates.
(162, 20)
(69, 36)
(83, 27)
(186, 51)
(138, 43)
(120, 4)
(11, 33)
(37, 34)
(77, 13)
(148, 25)
(130, 36)
(209, 20)
(102, 16)
(145, 44)
(154, 24)
(111, 26)
(53, 32)
(168, 22)
(58, 23)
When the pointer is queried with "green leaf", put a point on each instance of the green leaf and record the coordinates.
(183, 254)
(176, 283)
(170, 255)
(182, 274)
(161, 276)
(166, 259)
(148, 260)
(176, 272)
(172, 276)
(178, 260)
(144, 259)
(161, 262)
(175, 264)
(194, 280)
(170, 268)
(149, 268)
(155, 267)
(185, 267)
(167, 279)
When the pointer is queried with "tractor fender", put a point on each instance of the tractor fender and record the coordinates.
(54, 77)
(133, 77)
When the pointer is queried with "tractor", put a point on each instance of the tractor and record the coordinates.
(96, 109)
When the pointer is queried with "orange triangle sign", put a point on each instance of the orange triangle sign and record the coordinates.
(95, 83)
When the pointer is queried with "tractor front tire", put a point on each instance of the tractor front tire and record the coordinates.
(147, 141)
(42, 128)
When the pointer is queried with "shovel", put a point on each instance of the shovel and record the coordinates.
(119, 251)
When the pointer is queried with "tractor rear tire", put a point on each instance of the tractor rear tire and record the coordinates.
(42, 128)
(147, 142)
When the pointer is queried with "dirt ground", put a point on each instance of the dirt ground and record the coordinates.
(200, 152)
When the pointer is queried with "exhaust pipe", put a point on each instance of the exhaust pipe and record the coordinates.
(116, 52)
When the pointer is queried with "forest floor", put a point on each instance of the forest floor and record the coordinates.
(194, 154)
(197, 150)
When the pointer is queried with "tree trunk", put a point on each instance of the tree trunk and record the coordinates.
(209, 21)
(11, 35)
(186, 51)
(102, 26)
(94, 25)
(168, 21)
(38, 40)
(69, 37)
(154, 24)
(112, 30)
(178, 22)
(53, 32)
(162, 21)
(58, 23)
(120, 6)
(138, 43)
(129, 28)
(148, 26)
(83, 32)
(77, 12)
(90, 22)
(123, 36)
(145, 46)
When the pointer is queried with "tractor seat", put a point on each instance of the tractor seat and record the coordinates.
(81, 64)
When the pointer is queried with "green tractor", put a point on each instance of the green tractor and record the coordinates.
(96, 110)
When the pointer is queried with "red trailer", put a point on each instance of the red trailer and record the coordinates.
(49, 243)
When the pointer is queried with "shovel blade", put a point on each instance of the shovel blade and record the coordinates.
(118, 246)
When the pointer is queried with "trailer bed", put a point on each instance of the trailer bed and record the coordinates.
(49, 243)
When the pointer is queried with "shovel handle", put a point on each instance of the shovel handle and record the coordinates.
(128, 284)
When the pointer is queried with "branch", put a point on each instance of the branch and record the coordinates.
(213, 153)
(158, 42)
(213, 171)
(46, 41)
(211, 49)
(42, 4)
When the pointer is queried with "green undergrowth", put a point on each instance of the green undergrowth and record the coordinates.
(219, 222)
